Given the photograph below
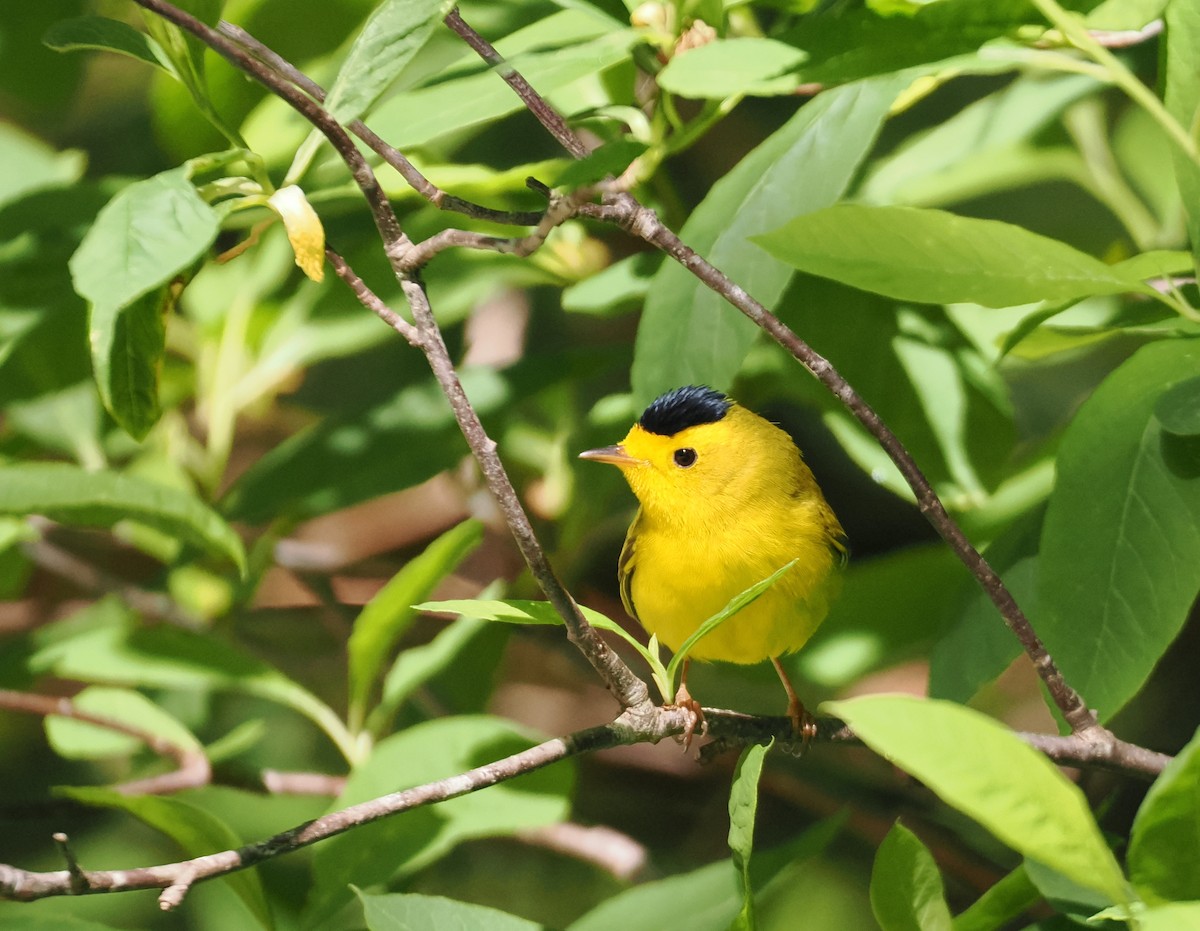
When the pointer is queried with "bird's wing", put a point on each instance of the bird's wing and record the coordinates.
(626, 565)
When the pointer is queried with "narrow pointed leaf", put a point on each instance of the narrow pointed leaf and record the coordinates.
(743, 807)
(390, 613)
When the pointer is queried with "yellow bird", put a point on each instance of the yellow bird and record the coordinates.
(726, 500)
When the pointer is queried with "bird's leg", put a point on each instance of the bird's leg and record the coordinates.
(804, 725)
(684, 700)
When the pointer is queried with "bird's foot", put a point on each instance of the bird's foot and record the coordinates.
(685, 702)
(804, 725)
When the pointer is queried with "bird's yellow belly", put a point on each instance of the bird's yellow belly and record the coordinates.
(698, 584)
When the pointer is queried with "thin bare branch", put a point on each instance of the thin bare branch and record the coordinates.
(192, 768)
(534, 102)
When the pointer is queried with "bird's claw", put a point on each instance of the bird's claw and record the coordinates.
(695, 714)
(804, 725)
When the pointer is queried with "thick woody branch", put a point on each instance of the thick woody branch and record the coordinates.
(624, 210)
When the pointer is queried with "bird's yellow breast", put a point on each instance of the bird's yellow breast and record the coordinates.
(682, 574)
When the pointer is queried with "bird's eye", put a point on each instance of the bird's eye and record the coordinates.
(685, 458)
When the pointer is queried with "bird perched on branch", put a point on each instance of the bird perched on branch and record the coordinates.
(726, 500)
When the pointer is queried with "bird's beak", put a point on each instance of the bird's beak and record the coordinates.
(615, 455)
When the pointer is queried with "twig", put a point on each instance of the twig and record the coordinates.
(1097, 752)
(192, 768)
(625, 211)
(78, 878)
(534, 102)
(1126, 38)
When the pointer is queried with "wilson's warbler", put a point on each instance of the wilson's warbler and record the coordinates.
(726, 500)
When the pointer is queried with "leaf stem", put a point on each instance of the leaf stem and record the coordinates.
(1074, 31)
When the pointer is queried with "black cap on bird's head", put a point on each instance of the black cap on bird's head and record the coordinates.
(685, 407)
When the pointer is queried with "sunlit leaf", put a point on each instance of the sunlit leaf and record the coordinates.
(936, 257)
(1005, 785)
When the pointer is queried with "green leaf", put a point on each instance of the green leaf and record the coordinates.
(978, 141)
(1157, 263)
(385, 618)
(391, 37)
(80, 740)
(616, 289)
(109, 646)
(906, 888)
(414, 912)
(104, 34)
(1181, 96)
(935, 257)
(707, 899)
(28, 164)
(1001, 904)
(417, 665)
(689, 335)
(1165, 838)
(979, 646)
(1119, 564)
(146, 235)
(1178, 408)
(419, 116)
(743, 805)
(197, 832)
(422, 754)
(1005, 785)
(1178, 916)
(341, 461)
(730, 67)
(711, 893)
(101, 499)
(846, 44)
(612, 158)
(515, 611)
